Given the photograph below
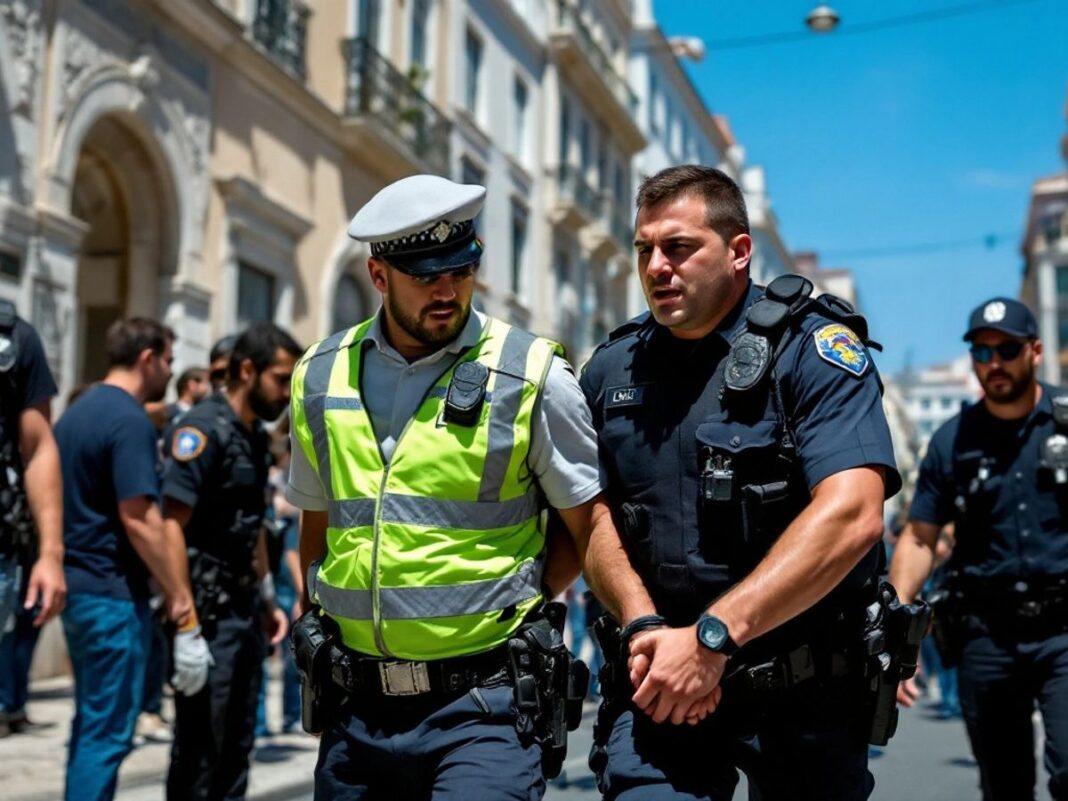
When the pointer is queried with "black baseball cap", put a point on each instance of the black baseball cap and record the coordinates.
(1007, 315)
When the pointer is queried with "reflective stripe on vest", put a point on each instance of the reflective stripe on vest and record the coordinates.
(438, 553)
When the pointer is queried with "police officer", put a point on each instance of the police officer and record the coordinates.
(30, 498)
(215, 486)
(999, 472)
(425, 442)
(748, 458)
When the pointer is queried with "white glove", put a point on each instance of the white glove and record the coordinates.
(192, 659)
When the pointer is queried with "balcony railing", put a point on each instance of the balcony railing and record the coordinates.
(569, 20)
(572, 187)
(281, 27)
(374, 86)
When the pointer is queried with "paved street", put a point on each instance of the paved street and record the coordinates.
(928, 760)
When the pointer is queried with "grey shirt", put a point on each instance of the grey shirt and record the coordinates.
(563, 446)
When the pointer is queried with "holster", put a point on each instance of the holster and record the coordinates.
(947, 626)
(549, 685)
(892, 637)
(311, 640)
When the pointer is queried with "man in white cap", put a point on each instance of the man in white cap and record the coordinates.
(427, 442)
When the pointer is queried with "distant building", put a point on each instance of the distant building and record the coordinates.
(1045, 281)
(837, 281)
(934, 394)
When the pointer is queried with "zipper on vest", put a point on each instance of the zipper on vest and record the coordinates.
(376, 606)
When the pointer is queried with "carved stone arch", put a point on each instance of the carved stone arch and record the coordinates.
(125, 93)
(348, 258)
(20, 57)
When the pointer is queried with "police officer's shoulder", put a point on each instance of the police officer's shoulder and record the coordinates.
(829, 328)
(625, 333)
(201, 427)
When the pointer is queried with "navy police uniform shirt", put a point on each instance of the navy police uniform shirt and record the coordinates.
(217, 466)
(1012, 525)
(107, 454)
(650, 393)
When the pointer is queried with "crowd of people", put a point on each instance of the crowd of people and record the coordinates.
(716, 474)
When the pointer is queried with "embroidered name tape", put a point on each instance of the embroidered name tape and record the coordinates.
(618, 397)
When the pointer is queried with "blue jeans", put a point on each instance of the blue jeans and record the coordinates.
(16, 653)
(9, 591)
(108, 640)
(290, 679)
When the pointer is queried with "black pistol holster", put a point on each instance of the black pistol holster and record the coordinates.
(311, 640)
(892, 636)
(549, 685)
(947, 624)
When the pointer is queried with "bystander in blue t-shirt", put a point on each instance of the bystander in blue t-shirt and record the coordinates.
(107, 448)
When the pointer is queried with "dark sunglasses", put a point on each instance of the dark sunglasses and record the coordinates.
(459, 274)
(217, 375)
(1006, 351)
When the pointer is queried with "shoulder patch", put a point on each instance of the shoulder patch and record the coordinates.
(839, 346)
(188, 443)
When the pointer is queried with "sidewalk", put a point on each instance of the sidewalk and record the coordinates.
(32, 765)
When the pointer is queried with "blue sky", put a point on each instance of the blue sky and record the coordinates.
(924, 134)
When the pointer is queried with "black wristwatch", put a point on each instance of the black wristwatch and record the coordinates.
(712, 634)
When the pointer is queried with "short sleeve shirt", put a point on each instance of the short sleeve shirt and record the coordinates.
(31, 378)
(107, 449)
(1010, 524)
(563, 450)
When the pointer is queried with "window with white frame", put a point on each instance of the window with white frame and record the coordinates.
(473, 71)
(565, 129)
(520, 101)
(471, 173)
(255, 295)
(519, 246)
(10, 265)
(654, 95)
(368, 17)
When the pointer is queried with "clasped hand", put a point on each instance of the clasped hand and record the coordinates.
(674, 676)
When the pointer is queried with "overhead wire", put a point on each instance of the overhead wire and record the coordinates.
(847, 29)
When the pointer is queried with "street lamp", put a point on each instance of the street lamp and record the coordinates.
(822, 19)
(690, 47)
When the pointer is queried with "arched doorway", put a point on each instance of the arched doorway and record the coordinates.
(120, 193)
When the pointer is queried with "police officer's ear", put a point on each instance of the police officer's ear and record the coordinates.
(378, 269)
(1036, 352)
(741, 248)
(247, 372)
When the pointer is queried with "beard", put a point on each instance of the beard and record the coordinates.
(263, 407)
(1016, 389)
(414, 326)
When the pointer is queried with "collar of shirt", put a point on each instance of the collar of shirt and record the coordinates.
(468, 337)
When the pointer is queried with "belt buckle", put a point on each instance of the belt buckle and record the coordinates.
(404, 678)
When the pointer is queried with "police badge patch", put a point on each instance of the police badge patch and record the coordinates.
(188, 443)
(839, 346)
(7, 354)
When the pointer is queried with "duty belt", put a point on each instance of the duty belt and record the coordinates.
(356, 673)
(792, 668)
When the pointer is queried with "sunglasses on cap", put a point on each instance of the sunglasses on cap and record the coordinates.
(459, 274)
(1006, 351)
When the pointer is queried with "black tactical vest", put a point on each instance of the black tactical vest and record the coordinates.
(228, 516)
(712, 476)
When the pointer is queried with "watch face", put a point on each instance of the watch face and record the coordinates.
(712, 633)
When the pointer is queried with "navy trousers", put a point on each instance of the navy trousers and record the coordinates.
(805, 744)
(1001, 680)
(446, 749)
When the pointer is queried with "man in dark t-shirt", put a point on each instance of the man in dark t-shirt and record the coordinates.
(115, 539)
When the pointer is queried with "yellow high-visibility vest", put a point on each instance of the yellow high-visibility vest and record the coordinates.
(440, 552)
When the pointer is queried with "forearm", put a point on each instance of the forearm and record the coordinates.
(811, 557)
(914, 559)
(44, 491)
(260, 562)
(312, 545)
(562, 565)
(157, 545)
(609, 572)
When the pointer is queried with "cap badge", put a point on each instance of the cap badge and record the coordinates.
(994, 312)
(441, 231)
